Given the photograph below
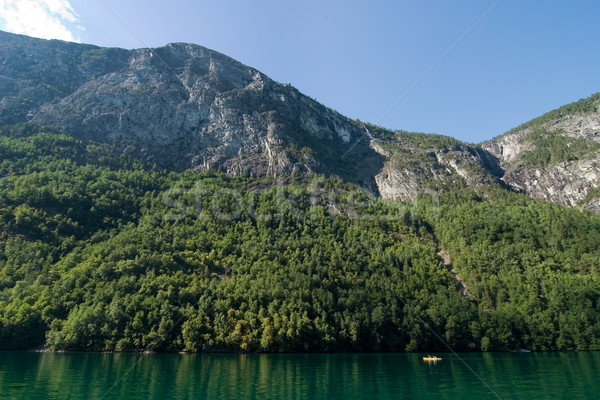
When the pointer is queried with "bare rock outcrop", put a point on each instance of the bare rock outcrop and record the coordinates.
(555, 157)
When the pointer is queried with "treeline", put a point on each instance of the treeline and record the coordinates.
(100, 252)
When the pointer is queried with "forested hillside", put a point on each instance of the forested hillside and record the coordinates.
(99, 251)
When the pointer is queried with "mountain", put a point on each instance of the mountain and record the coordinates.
(184, 106)
(102, 252)
(180, 106)
(556, 156)
(173, 199)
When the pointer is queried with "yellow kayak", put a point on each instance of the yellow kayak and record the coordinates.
(432, 359)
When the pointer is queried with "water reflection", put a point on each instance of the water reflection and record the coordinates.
(297, 376)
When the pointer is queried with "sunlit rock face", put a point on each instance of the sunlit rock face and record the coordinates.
(571, 179)
(184, 106)
(181, 106)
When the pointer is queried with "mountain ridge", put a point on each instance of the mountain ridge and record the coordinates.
(211, 209)
(190, 107)
(555, 156)
(185, 106)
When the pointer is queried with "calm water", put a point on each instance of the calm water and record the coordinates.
(25, 375)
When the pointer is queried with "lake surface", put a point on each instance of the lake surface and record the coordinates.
(28, 375)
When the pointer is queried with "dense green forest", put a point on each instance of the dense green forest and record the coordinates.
(101, 252)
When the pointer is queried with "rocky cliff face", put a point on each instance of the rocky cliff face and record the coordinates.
(421, 164)
(35, 72)
(181, 106)
(555, 157)
(185, 106)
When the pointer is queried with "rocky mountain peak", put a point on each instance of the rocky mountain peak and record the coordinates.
(181, 106)
(185, 106)
(556, 156)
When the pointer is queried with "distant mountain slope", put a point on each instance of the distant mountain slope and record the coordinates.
(556, 156)
(102, 250)
(184, 106)
(418, 163)
(181, 106)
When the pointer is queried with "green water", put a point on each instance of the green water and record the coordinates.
(26, 375)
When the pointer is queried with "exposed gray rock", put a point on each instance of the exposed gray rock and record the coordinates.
(568, 182)
(181, 106)
(422, 169)
(185, 106)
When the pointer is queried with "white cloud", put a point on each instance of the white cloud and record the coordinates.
(44, 19)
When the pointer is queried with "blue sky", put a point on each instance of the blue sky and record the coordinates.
(523, 58)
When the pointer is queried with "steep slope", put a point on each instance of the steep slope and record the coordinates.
(184, 106)
(103, 251)
(556, 156)
(34, 72)
(418, 163)
(181, 106)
